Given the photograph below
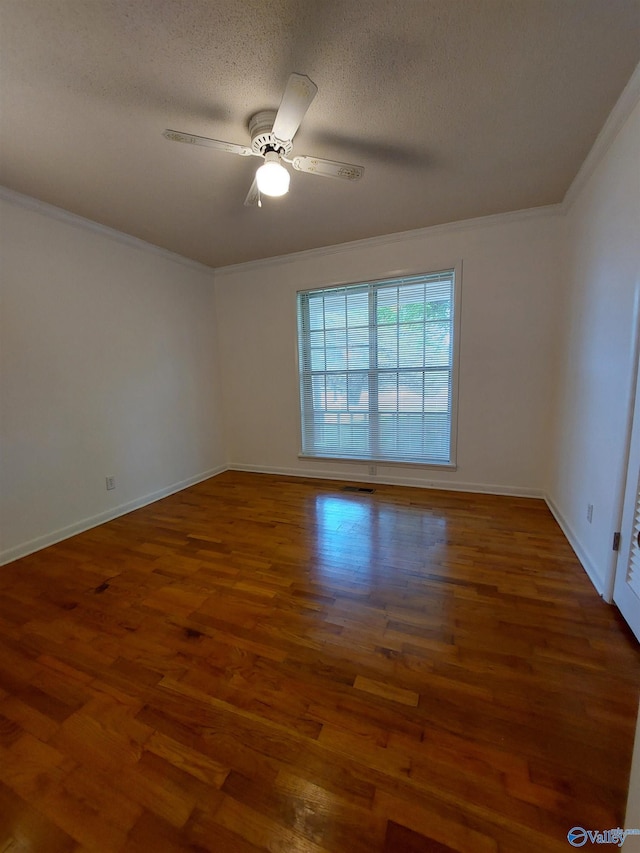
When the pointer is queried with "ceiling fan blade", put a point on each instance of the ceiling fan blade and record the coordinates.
(253, 196)
(298, 95)
(328, 168)
(231, 147)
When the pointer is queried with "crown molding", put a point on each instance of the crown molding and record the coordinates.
(73, 219)
(490, 221)
(50, 210)
(623, 108)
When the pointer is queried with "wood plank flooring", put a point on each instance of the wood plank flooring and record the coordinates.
(266, 663)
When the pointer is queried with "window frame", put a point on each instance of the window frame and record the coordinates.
(456, 303)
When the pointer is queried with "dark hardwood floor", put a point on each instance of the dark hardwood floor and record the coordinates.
(265, 663)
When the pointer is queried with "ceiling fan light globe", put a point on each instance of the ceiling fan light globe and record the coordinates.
(272, 178)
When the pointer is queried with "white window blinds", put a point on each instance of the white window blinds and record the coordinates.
(377, 369)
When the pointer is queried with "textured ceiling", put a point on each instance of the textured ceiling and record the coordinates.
(456, 109)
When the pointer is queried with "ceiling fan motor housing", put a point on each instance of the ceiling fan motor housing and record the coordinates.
(262, 139)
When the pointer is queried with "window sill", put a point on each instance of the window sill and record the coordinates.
(402, 463)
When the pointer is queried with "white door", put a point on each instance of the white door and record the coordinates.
(626, 591)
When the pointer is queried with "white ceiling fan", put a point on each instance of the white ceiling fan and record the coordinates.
(272, 139)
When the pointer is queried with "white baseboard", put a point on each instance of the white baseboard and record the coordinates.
(40, 542)
(393, 480)
(581, 554)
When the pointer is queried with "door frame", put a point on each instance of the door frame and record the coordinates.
(623, 472)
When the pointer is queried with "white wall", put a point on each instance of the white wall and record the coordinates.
(508, 344)
(596, 369)
(108, 367)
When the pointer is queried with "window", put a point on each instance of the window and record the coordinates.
(377, 370)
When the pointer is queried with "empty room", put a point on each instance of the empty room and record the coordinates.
(319, 426)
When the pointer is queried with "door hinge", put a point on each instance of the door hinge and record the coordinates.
(616, 541)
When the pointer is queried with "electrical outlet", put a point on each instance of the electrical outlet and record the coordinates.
(373, 470)
(589, 513)
(111, 483)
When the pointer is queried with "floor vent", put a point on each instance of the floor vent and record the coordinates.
(357, 489)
